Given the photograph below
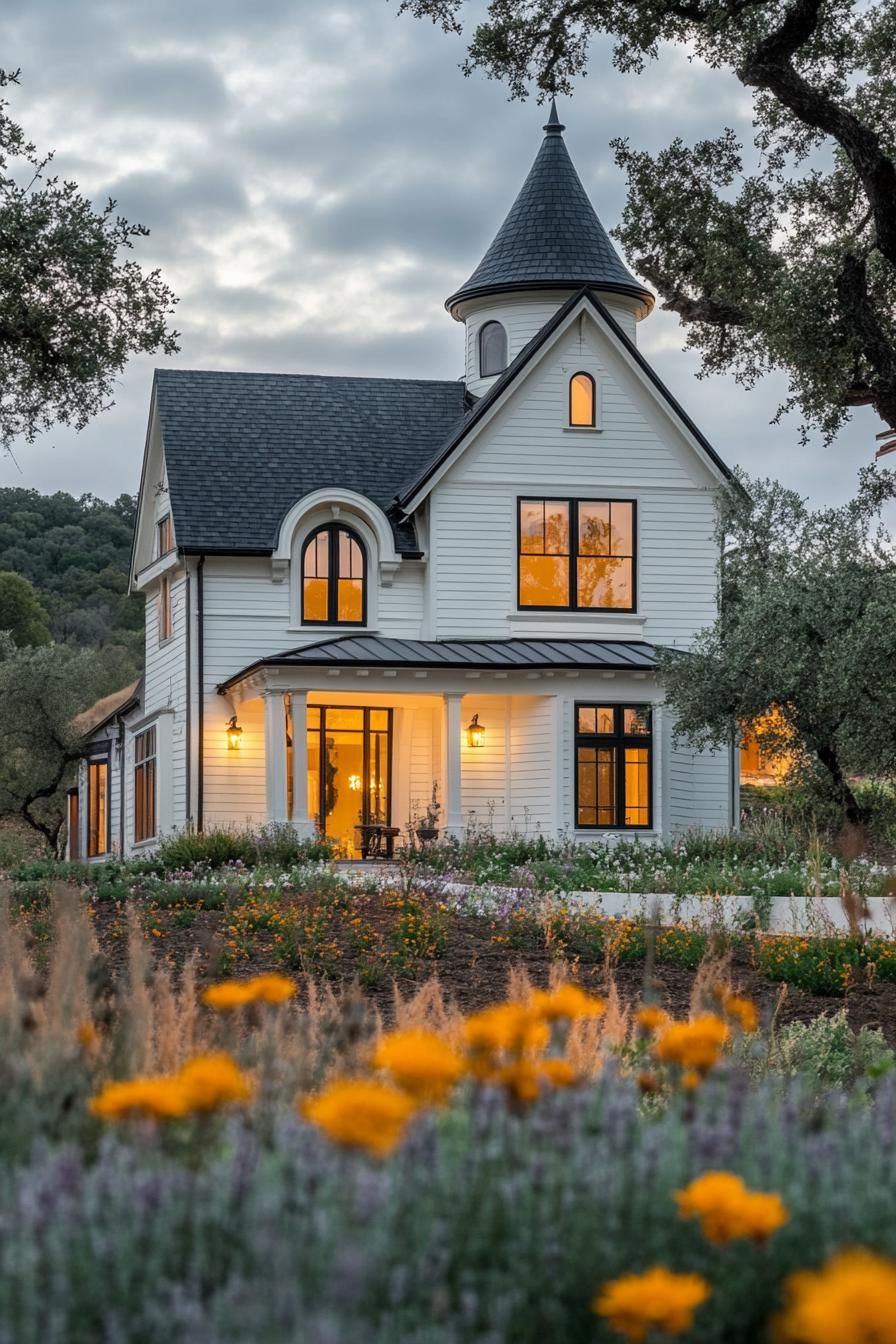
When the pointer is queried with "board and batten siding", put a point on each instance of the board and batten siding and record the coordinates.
(527, 449)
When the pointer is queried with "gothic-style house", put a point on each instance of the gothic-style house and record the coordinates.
(360, 588)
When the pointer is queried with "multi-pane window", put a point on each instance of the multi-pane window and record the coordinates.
(165, 626)
(492, 349)
(97, 808)
(614, 746)
(165, 535)
(582, 401)
(333, 577)
(145, 785)
(577, 554)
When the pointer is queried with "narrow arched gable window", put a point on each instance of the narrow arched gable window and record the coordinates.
(492, 349)
(334, 577)
(582, 401)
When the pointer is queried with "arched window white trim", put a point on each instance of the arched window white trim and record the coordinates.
(492, 349)
(361, 516)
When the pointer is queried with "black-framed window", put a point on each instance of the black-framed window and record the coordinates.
(582, 401)
(577, 554)
(492, 349)
(334, 577)
(98, 819)
(145, 785)
(614, 767)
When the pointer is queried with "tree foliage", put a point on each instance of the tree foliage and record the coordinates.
(76, 553)
(807, 627)
(41, 691)
(73, 305)
(791, 267)
(22, 615)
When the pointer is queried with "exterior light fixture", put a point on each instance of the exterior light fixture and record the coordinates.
(234, 734)
(475, 732)
(354, 783)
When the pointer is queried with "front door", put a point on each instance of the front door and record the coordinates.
(349, 771)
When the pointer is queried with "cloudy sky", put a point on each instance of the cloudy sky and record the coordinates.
(318, 177)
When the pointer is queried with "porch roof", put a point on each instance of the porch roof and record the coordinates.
(512, 654)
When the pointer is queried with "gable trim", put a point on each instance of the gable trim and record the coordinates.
(420, 487)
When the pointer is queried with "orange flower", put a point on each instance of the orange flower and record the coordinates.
(651, 1017)
(636, 1304)
(693, 1045)
(361, 1114)
(228, 994)
(161, 1098)
(505, 1026)
(272, 988)
(744, 1012)
(420, 1062)
(850, 1300)
(88, 1037)
(558, 1072)
(727, 1210)
(567, 1001)
(210, 1081)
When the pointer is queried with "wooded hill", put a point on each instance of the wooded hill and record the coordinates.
(76, 553)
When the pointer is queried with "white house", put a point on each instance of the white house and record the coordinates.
(357, 588)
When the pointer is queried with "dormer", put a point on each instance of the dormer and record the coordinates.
(549, 246)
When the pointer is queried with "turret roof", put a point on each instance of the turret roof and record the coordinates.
(552, 237)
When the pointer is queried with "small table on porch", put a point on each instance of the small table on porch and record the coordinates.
(377, 841)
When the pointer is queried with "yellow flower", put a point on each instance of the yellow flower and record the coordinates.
(162, 1098)
(272, 988)
(88, 1037)
(420, 1062)
(744, 1012)
(521, 1079)
(850, 1300)
(566, 1001)
(210, 1081)
(651, 1017)
(693, 1045)
(635, 1304)
(361, 1114)
(228, 994)
(728, 1210)
(506, 1026)
(558, 1072)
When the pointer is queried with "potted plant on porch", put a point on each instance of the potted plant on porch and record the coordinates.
(428, 824)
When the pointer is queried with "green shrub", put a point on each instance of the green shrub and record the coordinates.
(828, 1053)
(218, 846)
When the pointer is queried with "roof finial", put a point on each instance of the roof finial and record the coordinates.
(553, 125)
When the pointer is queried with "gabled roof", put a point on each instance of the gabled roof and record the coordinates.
(110, 707)
(242, 448)
(552, 237)
(497, 654)
(413, 487)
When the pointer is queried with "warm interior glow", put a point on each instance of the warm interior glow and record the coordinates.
(333, 578)
(581, 400)
(606, 554)
(637, 786)
(234, 734)
(97, 805)
(475, 732)
(544, 553)
(757, 764)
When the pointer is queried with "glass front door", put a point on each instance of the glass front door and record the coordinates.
(349, 771)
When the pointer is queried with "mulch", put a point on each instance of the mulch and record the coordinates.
(474, 970)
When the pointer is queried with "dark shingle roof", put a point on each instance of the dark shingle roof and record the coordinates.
(241, 448)
(552, 237)
(499, 654)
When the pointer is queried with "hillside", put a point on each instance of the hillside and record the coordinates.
(76, 552)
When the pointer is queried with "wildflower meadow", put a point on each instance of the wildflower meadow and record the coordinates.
(270, 1157)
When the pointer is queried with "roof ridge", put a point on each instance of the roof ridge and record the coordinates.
(328, 377)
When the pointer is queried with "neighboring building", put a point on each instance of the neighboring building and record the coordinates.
(380, 584)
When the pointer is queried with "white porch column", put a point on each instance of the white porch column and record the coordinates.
(275, 756)
(454, 817)
(302, 822)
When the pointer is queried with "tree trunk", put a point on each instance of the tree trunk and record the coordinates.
(854, 813)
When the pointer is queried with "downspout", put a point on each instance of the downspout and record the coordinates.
(121, 785)
(187, 715)
(200, 708)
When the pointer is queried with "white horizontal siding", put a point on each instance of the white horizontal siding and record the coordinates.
(533, 750)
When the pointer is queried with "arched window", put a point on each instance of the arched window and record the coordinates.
(334, 577)
(582, 401)
(492, 349)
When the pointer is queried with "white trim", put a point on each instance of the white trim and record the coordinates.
(333, 501)
(648, 387)
(164, 564)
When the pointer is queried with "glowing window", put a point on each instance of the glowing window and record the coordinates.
(97, 808)
(145, 785)
(582, 401)
(578, 554)
(334, 575)
(614, 749)
(492, 349)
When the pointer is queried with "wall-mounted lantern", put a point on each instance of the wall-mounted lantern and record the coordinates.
(234, 734)
(475, 732)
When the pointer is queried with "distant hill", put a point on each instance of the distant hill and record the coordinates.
(76, 552)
